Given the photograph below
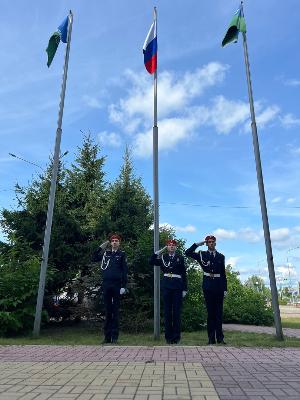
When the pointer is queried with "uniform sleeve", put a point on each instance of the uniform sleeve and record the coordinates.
(183, 275)
(190, 252)
(124, 271)
(97, 255)
(155, 260)
(223, 274)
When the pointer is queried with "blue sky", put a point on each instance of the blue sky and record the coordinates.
(207, 172)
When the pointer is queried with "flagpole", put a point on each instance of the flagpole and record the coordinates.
(263, 205)
(156, 208)
(47, 234)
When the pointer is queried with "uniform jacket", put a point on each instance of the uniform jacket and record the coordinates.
(174, 265)
(113, 266)
(211, 264)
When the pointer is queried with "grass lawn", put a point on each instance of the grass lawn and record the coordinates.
(78, 335)
(291, 322)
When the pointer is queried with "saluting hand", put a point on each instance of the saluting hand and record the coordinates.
(122, 290)
(158, 252)
(200, 243)
(104, 245)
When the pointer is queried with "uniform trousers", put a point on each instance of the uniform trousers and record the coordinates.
(172, 314)
(111, 297)
(214, 305)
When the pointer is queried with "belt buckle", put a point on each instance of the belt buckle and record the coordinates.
(211, 274)
(171, 274)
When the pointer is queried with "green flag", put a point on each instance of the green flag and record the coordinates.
(60, 35)
(52, 47)
(237, 25)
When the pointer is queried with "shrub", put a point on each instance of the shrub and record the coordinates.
(193, 311)
(18, 293)
(245, 305)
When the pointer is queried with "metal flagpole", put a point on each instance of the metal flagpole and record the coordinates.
(156, 209)
(47, 235)
(263, 206)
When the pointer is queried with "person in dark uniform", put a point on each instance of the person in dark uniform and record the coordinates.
(174, 286)
(114, 276)
(214, 285)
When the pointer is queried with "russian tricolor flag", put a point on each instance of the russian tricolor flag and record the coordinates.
(150, 50)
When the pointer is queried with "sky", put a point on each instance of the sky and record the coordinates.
(207, 175)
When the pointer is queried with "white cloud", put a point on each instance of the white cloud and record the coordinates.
(286, 270)
(187, 228)
(281, 234)
(282, 238)
(276, 200)
(267, 116)
(289, 120)
(135, 112)
(295, 150)
(232, 261)
(178, 116)
(292, 82)
(171, 131)
(250, 235)
(221, 233)
(110, 139)
(163, 225)
(263, 116)
(91, 101)
(173, 93)
(246, 234)
(225, 114)
(291, 200)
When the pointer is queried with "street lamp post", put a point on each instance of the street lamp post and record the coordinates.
(23, 159)
(32, 163)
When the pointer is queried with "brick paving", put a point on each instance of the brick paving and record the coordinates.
(148, 373)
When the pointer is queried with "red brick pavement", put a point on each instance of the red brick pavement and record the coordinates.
(203, 354)
(237, 373)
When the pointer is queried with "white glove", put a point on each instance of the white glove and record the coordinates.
(158, 252)
(104, 245)
(200, 243)
(184, 292)
(122, 290)
(225, 294)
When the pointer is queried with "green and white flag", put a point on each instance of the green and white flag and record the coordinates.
(237, 25)
(60, 35)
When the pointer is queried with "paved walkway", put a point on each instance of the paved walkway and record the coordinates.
(289, 332)
(148, 373)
